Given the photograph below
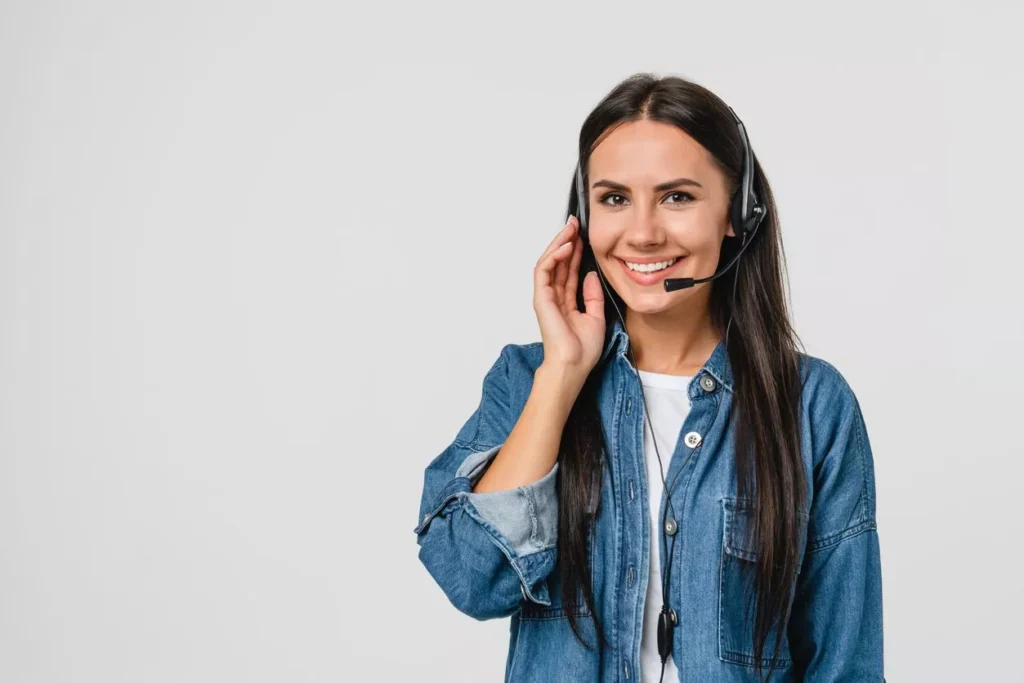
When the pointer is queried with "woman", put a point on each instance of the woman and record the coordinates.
(664, 464)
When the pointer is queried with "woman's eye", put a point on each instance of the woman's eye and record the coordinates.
(687, 195)
(610, 198)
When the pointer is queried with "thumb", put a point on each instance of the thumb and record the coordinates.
(593, 295)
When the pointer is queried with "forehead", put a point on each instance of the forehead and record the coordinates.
(650, 150)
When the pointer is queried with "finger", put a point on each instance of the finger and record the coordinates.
(543, 274)
(564, 234)
(593, 295)
(559, 277)
(572, 285)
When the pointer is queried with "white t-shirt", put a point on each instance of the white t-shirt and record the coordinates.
(668, 405)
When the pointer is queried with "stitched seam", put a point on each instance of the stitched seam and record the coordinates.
(615, 470)
(476, 445)
(862, 451)
(721, 605)
(850, 532)
(533, 613)
(531, 507)
(741, 658)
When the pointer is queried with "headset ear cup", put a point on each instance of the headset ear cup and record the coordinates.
(736, 217)
(581, 198)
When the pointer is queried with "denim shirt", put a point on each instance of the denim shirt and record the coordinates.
(494, 554)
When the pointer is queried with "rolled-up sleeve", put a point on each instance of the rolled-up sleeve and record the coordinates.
(835, 629)
(487, 551)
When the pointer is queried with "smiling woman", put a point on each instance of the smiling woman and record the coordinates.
(629, 202)
(553, 504)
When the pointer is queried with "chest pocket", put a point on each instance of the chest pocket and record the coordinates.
(736, 586)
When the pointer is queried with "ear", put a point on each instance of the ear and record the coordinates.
(729, 232)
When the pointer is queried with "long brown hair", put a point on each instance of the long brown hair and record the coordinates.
(762, 348)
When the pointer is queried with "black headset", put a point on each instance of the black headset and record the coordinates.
(746, 213)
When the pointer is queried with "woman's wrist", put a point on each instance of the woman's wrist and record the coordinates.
(558, 384)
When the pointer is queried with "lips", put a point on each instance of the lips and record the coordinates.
(647, 279)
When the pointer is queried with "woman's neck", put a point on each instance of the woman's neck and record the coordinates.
(672, 343)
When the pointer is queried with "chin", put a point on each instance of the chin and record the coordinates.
(652, 303)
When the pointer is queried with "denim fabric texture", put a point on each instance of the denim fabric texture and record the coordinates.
(494, 554)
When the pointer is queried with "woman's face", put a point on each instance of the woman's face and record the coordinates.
(655, 195)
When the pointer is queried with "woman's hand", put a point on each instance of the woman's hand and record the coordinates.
(572, 340)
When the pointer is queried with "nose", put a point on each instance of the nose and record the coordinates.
(645, 229)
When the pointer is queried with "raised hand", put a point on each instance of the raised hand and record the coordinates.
(572, 339)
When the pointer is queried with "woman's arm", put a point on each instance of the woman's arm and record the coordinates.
(531, 450)
(835, 629)
(489, 508)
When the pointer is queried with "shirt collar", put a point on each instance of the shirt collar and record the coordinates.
(717, 365)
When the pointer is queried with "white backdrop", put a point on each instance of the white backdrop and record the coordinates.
(255, 258)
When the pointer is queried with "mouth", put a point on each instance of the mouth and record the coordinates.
(646, 276)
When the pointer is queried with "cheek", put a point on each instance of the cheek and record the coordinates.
(602, 236)
(699, 230)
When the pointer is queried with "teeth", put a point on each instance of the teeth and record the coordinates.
(650, 267)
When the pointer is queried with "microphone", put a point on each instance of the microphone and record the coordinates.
(674, 283)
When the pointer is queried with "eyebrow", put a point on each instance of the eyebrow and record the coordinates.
(678, 182)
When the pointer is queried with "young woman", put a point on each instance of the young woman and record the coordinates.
(664, 487)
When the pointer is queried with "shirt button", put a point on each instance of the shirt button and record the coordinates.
(692, 439)
(629, 576)
(670, 526)
(707, 383)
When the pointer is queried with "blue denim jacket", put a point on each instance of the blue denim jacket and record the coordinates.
(493, 554)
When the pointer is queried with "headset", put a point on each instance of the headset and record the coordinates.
(746, 213)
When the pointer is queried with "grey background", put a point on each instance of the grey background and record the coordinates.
(256, 257)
